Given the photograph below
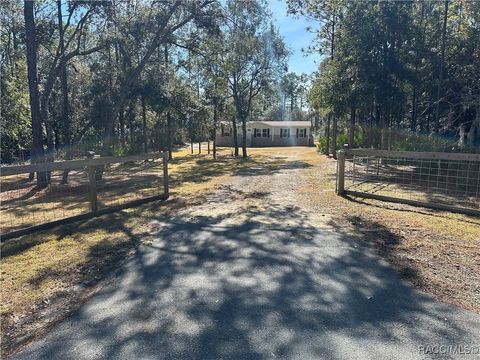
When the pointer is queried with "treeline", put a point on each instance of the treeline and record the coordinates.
(123, 77)
(397, 74)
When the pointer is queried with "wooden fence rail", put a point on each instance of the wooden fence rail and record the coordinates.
(90, 165)
(444, 181)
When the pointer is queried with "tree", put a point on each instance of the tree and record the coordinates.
(256, 55)
(290, 86)
(326, 13)
(441, 66)
(161, 21)
(37, 137)
(383, 78)
(15, 128)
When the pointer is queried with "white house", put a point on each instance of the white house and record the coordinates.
(268, 133)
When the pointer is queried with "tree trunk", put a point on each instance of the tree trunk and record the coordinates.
(413, 123)
(473, 135)
(131, 121)
(191, 146)
(37, 137)
(208, 146)
(244, 139)
(235, 139)
(50, 155)
(351, 133)
(199, 147)
(334, 137)
(440, 75)
(334, 127)
(385, 131)
(327, 135)
(214, 131)
(214, 145)
(65, 103)
(144, 125)
(121, 124)
(170, 135)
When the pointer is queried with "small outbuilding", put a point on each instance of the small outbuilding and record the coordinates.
(267, 133)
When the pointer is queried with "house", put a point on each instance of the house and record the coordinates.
(267, 133)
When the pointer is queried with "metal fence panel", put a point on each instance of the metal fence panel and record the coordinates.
(437, 180)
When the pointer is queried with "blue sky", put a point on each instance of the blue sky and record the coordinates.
(294, 32)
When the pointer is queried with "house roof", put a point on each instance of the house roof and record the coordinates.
(281, 124)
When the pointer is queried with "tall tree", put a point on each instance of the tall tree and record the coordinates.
(64, 81)
(441, 67)
(37, 137)
(256, 56)
(162, 20)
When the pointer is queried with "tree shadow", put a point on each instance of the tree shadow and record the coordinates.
(468, 219)
(205, 169)
(18, 182)
(452, 183)
(263, 281)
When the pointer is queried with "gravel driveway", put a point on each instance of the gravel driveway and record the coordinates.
(250, 273)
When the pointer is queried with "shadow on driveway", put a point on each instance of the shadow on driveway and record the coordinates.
(243, 286)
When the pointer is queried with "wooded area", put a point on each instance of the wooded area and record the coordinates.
(401, 75)
(131, 77)
(128, 77)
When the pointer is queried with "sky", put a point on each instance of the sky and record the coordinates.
(294, 32)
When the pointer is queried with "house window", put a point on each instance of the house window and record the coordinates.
(284, 133)
(301, 133)
(257, 132)
(266, 133)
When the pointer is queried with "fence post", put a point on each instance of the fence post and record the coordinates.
(92, 189)
(165, 174)
(340, 172)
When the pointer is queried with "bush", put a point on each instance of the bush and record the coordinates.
(342, 139)
(322, 144)
(410, 141)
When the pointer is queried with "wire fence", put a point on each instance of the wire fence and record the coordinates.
(124, 181)
(439, 180)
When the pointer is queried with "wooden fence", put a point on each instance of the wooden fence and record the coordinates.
(444, 181)
(88, 167)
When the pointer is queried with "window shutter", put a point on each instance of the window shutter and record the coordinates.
(297, 132)
(222, 130)
(268, 132)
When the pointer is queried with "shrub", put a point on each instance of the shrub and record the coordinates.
(322, 144)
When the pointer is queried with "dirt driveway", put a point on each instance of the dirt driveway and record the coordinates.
(256, 269)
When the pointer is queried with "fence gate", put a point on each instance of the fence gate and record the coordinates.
(445, 181)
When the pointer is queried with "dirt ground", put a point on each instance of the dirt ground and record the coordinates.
(45, 276)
